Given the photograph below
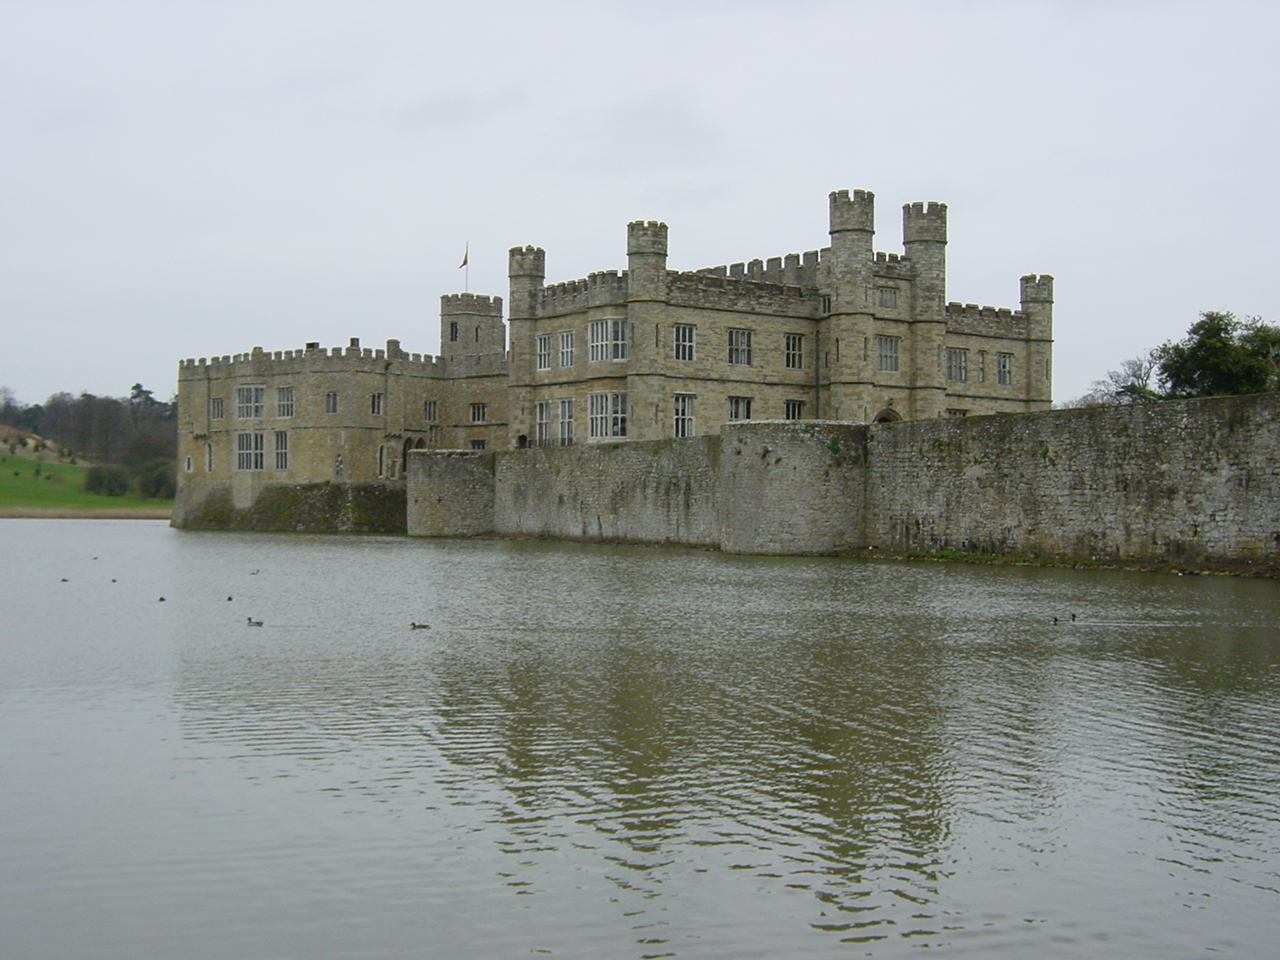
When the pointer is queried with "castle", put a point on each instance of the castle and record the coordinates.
(839, 333)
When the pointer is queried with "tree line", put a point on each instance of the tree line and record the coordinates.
(1220, 356)
(131, 442)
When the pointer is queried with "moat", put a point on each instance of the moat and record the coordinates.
(624, 752)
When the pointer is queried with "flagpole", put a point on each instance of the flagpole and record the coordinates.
(466, 268)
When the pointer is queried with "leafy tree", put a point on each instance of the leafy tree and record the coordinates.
(1221, 356)
(159, 478)
(108, 480)
(1132, 383)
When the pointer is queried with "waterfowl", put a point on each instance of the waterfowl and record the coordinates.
(414, 625)
(252, 622)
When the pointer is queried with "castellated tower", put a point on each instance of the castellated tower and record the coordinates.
(470, 325)
(843, 369)
(1037, 304)
(646, 260)
(924, 243)
(853, 230)
(526, 272)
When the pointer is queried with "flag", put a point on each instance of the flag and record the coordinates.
(466, 251)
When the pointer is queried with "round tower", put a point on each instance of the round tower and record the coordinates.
(526, 272)
(646, 260)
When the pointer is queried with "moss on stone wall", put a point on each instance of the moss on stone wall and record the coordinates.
(309, 508)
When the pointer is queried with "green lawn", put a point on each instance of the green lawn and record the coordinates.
(56, 486)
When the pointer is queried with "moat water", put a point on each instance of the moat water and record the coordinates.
(614, 752)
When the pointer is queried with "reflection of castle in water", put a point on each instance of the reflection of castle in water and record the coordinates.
(857, 735)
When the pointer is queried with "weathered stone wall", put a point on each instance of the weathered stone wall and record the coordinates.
(646, 491)
(1190, 480)
(792, 487)
(449, 493)
(305, 507)
(1195, 481)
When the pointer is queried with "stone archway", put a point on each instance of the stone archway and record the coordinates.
(888, 415)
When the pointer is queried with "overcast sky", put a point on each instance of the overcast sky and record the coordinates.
(188, 179)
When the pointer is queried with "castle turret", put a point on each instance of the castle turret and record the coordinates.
(1037, 304)
(924, 242)
(526, 271)
(853, 229)
(842, 365)
(646, 260)
(471, 324)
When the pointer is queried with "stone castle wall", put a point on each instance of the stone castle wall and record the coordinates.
(1195, 481)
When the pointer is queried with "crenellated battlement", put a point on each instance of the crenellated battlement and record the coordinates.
(1037, 288)
(601, 287)
(263, 363)
(924, 222)
(530, 262)
(853, 211)
(793, 269)
(647, 236)
(715, 291)
(985, 321)
(474, 304)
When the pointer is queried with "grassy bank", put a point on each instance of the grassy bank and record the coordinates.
(37, 488)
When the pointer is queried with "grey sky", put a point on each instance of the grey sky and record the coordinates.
(187, 179)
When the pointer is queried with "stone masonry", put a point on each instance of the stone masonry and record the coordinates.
(647, 353)
(1192, 481)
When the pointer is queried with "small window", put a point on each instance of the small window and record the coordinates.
(684, 414)
(684, 334)
(208, 458)
(478, 412)
(375, 404)
(825, 304)
(429, 411)
(566, 348)
(957, 364)
(249, 402)
(331, 402)
(215, 408)
(740, 347)
(887, 349)
(542, 424)
(190, 465)
(956, 412)
(794, 353)
(739, 408)
(543, 348)
(1004, 368)
(434, 435)
(282, 450)
(284, 401)
(566, 423)
(887, 297)
(250, 451)
(794, 409)
(478, 444)
(453, 331)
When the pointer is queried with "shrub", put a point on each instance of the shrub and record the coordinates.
(108, 480)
